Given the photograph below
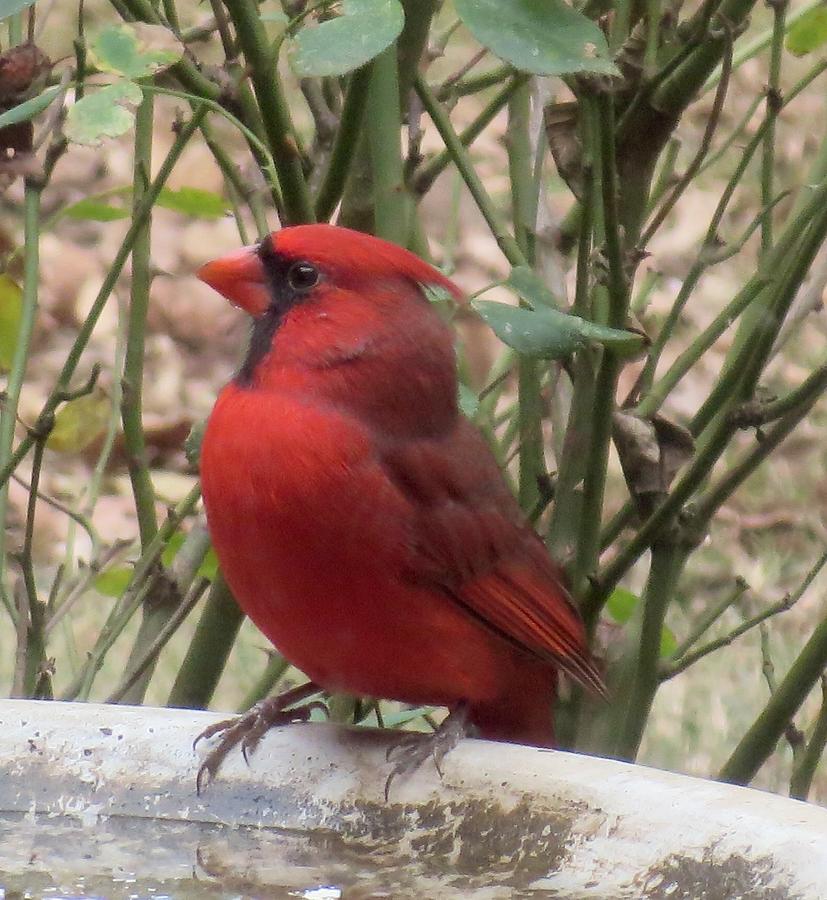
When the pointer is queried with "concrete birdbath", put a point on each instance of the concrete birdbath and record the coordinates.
(100, 801)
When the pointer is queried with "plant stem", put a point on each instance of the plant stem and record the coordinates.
(667, 562)
(17, 373)
(144, 578)
(133, 373)
(805, 768)
(429, 171)
(594, 481)
(774, 102)
(382, 128)
(346, 139)
(567, 510)
(209, 649)
(442, 122)
(759, 742)
(524, 213)
(275, 112)
(710, 617)
(58, 393)
(276, 667)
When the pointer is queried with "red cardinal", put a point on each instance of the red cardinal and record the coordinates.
(359, 518)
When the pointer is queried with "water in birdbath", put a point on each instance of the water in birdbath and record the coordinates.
(121, 858)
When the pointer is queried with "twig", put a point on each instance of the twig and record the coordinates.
(710, 618)
(706, 141)
(454, 145)
(670, 670)
(782, 605)
(149, 655)
(60, 392)
(805, 767)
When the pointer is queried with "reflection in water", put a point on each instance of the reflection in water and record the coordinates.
(119, 858)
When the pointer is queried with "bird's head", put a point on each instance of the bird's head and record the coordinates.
(330, 300)
(306, 262)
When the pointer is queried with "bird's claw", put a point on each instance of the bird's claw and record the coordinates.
(248, 729)
(411, 750)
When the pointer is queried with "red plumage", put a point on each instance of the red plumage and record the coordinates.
(360, 520)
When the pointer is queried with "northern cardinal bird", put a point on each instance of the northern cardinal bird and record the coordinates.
(359, 518)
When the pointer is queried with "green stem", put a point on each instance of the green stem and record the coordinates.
(760, 42)
(524, 214)
(36, 682)
(567, 509)
(382, 128)
(17, 373)
(275, 112)
(665, 567)
(442, 122)
(209, 649)
(347, 136)
(805, 768)
(779, 9)
(144, 579)
(756, 746)
(163, 612)
(594, 483)
(429, 171)
(276, 667)
(133, 373)
(57, 395)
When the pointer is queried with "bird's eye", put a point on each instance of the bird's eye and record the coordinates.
(302, 276)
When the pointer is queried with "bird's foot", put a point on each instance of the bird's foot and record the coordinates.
(413, 749)
(249, 728)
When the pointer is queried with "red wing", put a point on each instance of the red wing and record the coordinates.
(470, 540)
(529, 609)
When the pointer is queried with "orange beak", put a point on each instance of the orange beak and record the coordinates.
(240, 278)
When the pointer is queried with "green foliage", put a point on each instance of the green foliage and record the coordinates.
(189, 201)
(134, 49)
(79, 423)
(342, 44)
(550, 334)
(526, 283)
(24, 112)
(809, 33)
(106, 112)
(544, 37)
(11, 311)
(12, 7)
(623, 604)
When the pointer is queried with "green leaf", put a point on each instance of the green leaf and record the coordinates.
(10, 7)
(192, 444)
(549, 333)
(135, 49)
(544, 37)
(194, 202)
(96, 211)
(342, 44)
(11, 311)
(527, 284)
(30, 108)
(113, 582)
(809, 32)
(468, 400)
(621, 605)
(209, 565)
(174, 544)
(209, 568)
(79, 423)
(106, 112)
(668, 642)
